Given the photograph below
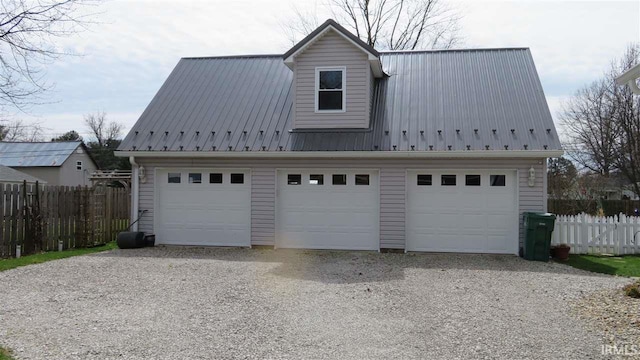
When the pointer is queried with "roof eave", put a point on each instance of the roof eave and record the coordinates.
(372, 54)
(493, 154)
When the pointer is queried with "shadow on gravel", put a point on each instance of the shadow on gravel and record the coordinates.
(348, 266)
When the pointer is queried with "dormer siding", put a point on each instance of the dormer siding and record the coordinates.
(332, 50)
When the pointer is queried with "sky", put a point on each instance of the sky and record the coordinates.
(132, 46)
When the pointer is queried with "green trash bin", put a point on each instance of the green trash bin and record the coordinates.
(537, 242)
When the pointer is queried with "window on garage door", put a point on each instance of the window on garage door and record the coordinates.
(362, 179)
(294, 179)
(195, 178)
(173, 178)
(448, 180)
(215, 178)
(339, 179)
(498, 180)
(472, 180)
(316, 179)
(237, 178)
(424, 180)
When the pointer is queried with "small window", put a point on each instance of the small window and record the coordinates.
(448, 180)
(78, 165)
(237, 178)
(330, 92)
(294, 179)
(498, 180)
(215, 178)
(195, 178)
(316, 179)
(472, 180)
(424, 180)
(339, 179)
(174, 178)
(362, 179)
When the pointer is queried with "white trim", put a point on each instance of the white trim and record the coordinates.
(316, 89)
(135, 199)
(454, 154)
(545, 185)
(374, 61)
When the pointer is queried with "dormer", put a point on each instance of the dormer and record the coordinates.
(333, 76)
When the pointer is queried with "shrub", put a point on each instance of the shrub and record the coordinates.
(633, 290)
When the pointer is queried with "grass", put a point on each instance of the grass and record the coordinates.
(48, 256)
(5, 354)
(614, 265)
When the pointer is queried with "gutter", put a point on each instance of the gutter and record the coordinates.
(135, 189)
(454, 154)
(630, 78)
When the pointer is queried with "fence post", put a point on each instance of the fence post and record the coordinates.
(619, 240)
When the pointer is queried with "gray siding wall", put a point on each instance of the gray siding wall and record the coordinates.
(392, 188)
(70, 176)
(66, 174)
(49, 174)
(332, 50)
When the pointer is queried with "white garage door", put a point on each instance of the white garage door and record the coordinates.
(203, 207)
(328, 209)
(462, 211)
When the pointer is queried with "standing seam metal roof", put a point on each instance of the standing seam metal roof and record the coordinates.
(432, 100)
(27, 154)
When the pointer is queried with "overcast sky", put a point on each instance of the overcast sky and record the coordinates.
(135, 44)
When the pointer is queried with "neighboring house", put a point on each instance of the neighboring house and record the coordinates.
(9, 176)
(335, 145)
(630, 78)
(58, 163)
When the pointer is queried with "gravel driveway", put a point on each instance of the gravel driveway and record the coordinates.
(194, 303)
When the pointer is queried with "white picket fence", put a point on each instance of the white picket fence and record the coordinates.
(586, 234)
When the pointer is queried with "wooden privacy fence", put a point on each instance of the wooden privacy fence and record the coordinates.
(586, 234)
(41, 218)
(609, 207)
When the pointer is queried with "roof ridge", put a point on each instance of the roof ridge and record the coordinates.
(454, 50)
(232, 56)
(40, 142)
(254, 56)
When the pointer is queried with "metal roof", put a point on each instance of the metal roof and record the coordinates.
(9, 175)
(26, 154)
(431, 100)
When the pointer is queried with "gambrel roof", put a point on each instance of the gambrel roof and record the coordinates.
(451, 100)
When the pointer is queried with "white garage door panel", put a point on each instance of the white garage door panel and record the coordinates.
(205, 213)
(327, 216)
(461, 218)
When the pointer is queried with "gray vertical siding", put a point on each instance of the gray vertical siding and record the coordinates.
(392, 207)
(332, 50)
(392, 188)
(263, 199)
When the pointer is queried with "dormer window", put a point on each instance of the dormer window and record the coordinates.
(330, 89)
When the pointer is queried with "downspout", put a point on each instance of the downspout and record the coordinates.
(135, 188)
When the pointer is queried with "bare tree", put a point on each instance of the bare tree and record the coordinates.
(104, 131)
(592, 131)
(603, 122)
(562, 176)
(388, 24)
(626, 107)
(18, 130)
(28, 29)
